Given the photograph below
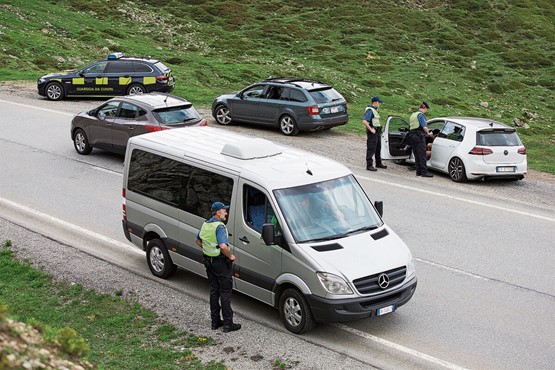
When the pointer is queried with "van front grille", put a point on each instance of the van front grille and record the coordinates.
(369, 284)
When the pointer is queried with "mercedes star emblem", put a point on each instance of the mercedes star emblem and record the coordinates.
(383, 281)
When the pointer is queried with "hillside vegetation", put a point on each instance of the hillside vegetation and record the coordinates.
(466, 57)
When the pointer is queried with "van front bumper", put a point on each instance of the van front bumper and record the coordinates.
(350, 309)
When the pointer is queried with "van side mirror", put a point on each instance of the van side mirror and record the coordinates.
(379, 207)
(269, 234)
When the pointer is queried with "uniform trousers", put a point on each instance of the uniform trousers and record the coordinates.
(418, 141)
(219, 272)
(373, 147)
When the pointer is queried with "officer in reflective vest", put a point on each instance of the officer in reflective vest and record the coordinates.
(371, 121)
(218, 260)
(418, 132)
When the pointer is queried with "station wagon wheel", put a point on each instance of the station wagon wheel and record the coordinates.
(222, 115)
(159, 260)
(295, 312)
(81, 143)
(457, 172)
(54, 91)
(288, 126)
(135, 89)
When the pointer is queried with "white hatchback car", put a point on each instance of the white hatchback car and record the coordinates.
(463, 147)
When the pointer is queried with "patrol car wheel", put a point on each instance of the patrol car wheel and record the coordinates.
(295, 312)
(136, 89)
(159, 260)
(222, 115)
(54, 91)
(288, 126)
(81, 143)
(457, 172)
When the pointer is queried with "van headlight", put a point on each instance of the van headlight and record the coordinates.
(334, 284)
(410, 266)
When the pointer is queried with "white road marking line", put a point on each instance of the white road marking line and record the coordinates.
(70, 226)
(39, 108)
(107, 170)
(412, 188)
(400, 348)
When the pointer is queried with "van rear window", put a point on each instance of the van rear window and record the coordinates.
(498, 138)
(187, 187)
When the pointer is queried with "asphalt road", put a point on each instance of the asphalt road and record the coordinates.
(483, 253)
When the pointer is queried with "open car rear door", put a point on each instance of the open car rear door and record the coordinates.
(395, 141)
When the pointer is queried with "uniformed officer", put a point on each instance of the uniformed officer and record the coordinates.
(371, 121)
(218, 260)
(418, 132)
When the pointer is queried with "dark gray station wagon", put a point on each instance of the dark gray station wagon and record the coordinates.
(293, 105)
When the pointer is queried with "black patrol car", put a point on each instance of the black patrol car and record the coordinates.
(116, 75)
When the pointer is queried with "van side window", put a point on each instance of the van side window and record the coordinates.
(256, 209)
(190, 188)
(200, 188)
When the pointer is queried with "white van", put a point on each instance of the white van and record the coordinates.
(307, 239)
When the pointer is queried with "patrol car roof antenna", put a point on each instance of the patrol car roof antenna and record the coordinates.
(308, 170)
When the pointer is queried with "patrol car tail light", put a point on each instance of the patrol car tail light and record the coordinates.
(151, 128)
(313, 110)
(162, 79)
(480, 151)
(522, 150)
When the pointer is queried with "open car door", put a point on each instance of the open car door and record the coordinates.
(395, 141)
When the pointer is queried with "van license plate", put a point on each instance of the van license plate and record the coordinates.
(506, 169)
(385, 310)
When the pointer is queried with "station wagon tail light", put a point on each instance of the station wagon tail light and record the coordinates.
(313, 110)
(480, 151)
(151, 128)
(204, 122)
(522, 150)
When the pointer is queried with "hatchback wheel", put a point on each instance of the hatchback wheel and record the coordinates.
(54, 91)
(81, 143)
(136, 89)
(288, 126)
(222, 115)
(457, 172)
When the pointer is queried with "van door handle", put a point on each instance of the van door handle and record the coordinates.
(244, 239)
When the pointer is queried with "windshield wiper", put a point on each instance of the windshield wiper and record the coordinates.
(188, 119)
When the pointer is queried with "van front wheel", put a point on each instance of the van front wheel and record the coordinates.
(295, 312)
(159, 260)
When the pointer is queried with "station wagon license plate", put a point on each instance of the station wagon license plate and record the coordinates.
(506, 169)
(385, 310)
(334, 109)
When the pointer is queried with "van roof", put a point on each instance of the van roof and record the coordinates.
(266, 163)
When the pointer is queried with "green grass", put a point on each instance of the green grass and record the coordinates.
(453, 53)
(107, 331)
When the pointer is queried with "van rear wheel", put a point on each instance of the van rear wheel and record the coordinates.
(159, 260)
(295, 312)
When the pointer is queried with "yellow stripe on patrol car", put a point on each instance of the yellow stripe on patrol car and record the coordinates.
(149, 80)
(78, 81)
(124, 80)
(102, 80)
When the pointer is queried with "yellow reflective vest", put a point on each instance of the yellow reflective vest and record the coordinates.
(209, 239)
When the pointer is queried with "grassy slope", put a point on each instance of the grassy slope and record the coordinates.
(456, 53)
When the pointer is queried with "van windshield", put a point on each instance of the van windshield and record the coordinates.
(327, 210)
